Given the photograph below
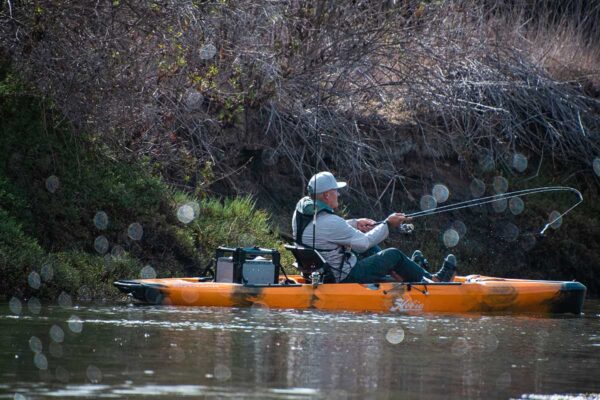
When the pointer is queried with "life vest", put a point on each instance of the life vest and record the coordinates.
(304, 216)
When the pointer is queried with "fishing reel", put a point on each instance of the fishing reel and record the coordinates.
(403, 228)
(406, 228)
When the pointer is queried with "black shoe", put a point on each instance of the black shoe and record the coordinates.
(448, 270)
(419, 259)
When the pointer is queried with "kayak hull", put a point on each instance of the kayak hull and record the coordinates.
(478, 294)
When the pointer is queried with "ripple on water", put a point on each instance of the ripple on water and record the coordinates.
(93, 373)
(478, 351)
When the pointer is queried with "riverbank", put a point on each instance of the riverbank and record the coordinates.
(73, 218)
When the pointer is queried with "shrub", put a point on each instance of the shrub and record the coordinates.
(19, 255)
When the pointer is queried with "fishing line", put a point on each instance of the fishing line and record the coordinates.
(500, 197)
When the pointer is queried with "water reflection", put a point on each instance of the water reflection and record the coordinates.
(167, 352)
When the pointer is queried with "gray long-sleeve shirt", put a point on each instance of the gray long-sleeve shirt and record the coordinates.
(334, 235)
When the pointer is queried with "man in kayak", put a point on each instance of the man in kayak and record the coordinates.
(337, 239)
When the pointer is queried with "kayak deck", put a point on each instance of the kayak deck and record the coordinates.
(473, 293)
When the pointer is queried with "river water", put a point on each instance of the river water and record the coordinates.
(159, 352)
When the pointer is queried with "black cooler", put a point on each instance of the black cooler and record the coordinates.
(247, 265)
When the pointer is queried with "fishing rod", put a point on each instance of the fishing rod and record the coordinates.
(317, 156)
(499, 197)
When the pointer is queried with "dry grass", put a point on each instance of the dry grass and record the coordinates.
(317, 84)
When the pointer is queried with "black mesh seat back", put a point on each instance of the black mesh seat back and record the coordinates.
(308, 260)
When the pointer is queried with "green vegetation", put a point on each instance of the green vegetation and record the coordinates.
(53, 181)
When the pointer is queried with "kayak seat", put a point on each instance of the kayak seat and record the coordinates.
(309, 260)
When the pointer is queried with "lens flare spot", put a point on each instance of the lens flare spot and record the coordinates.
(47, 272)
(52, 183)
(428, 203)
(500, 184)
(108, 263)
(208, 51)
(147, 272)
(135, 231)
(451, 238)
(117, 251)
(190, 296)
(269, 157)
(101, 220)
(93, 374)
(101, 244)
(62, 374)
(460, 227)
(395, 335)
(35, 344)
(460, 347)
(34, 280)
(527, 241)
(222, 372)
(40, 361)
(75, 324)
(487, 163)
(64, 300)
(193, 100)
(508, 231)
(84, 294)
(247, 240)
(596, 166)
(185, 214)
(15, 306)
(477, 188)
(555, 219)
(500, 205)
(519, 162)
(34, 305)
(176, 353)
(516, 205)
(440, 193)
(57, 334)
(55, 349)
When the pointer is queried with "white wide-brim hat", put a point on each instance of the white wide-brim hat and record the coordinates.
(322, 182)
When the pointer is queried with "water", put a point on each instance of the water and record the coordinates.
(125, 351)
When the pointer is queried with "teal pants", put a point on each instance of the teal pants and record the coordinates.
(376, 268)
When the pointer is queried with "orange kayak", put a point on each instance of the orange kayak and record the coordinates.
(472, 293)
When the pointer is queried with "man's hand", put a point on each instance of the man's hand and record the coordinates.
(365, 224)
(397, 219)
